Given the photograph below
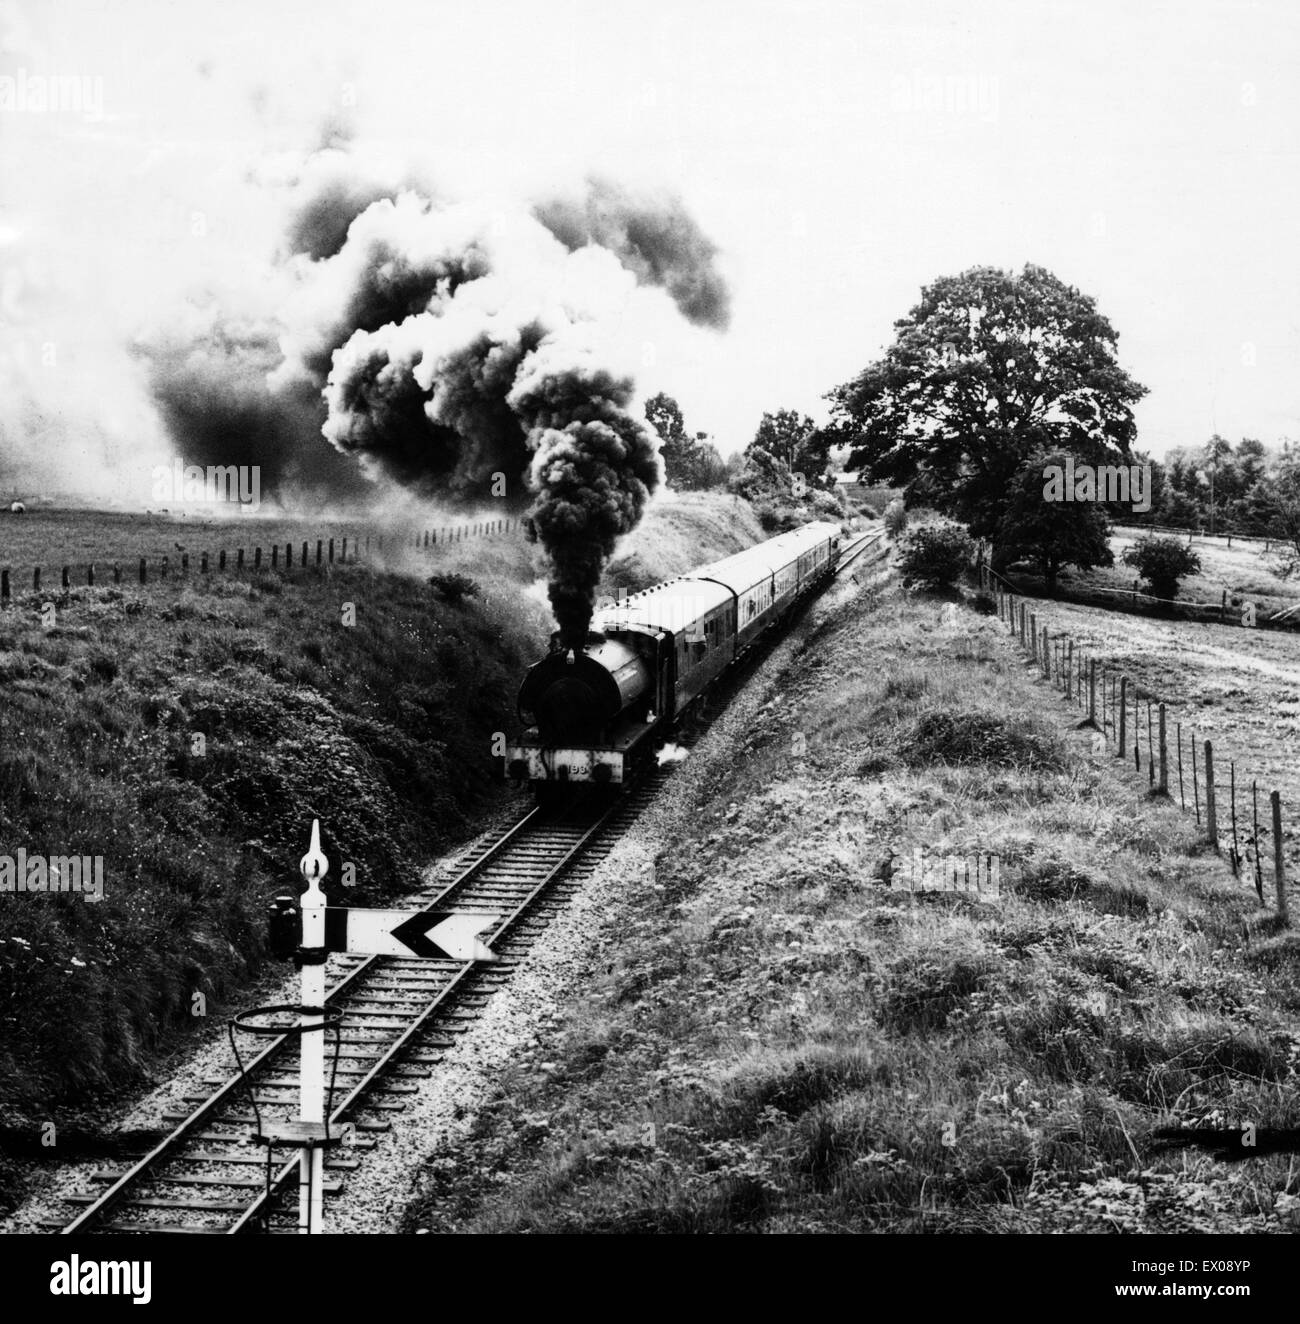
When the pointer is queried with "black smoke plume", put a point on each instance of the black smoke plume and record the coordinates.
(465, 354)
(498, 377)
(657, 239)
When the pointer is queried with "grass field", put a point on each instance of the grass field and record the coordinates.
(77, 538)
(1244, 571)
(1238, 687)
(780, 1042)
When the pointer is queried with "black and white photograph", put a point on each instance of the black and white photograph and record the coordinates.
(650, 621)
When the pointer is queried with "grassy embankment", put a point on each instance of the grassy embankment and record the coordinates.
(189, 732)
(774, 1040)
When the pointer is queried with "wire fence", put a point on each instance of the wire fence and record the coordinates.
(1135, 724)
(1191, 534)
(295, 553)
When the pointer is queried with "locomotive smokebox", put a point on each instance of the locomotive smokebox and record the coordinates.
(571, 696)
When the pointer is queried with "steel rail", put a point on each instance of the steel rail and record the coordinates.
(172, 1141)
(289, 1171)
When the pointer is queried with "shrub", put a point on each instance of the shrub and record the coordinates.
(453, 587)
(936, 555)
(967, 738)
(895, 518)
(1162, 562)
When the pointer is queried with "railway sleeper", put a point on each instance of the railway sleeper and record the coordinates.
(247, 1119)
(221, 1138)
(258, 1159)
(198, 1206)
(251, 1183)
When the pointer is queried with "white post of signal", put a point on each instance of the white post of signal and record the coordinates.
(311, 1080)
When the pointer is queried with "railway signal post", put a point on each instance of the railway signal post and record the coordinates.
(311, 1057)
(444, 935)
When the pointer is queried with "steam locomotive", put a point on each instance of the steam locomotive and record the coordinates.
(599, 714)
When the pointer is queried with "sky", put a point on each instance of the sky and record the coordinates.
(840, 155)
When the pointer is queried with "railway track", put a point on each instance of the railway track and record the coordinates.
(855, 549)
(400, 1018)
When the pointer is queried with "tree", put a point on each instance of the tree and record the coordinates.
(705, 468)
(797, 442)
(1276, 499)
(935, 555)
(1162, 562)
(689, 462)
(989, 368)
(1052, 534)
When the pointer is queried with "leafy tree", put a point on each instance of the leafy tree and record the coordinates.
(935, 555)
(797, 442)
(1052, 534)
(705, 468)
(989, 368)
(1162, 562)
(1177, 509)
(779, 499)
(1275, 498)
(689, 462)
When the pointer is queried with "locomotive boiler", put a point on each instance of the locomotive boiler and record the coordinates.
(599, 713)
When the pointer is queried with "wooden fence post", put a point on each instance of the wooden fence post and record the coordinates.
(203, 563)
(257, 558)
(1092, 690)
(185, 563)
(144, 571)
(117, 573)
(4, 585)
(275, 555)
(67, 577)
(1279, 877)
(1047, 655)
(288, 556)
(221, 559)
(36, 580)
(1211, 820)
(331, 551)
(239, 559)
(304, 554)
(344, 555)
(1164, 755)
